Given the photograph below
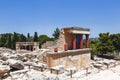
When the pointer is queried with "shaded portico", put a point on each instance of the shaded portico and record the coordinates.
(30, 46)
(74, 37)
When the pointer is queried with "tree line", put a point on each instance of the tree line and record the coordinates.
(106, 44)
(9, 39)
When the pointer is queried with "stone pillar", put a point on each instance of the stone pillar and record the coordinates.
(50, 61)
(22, 46)
(29, 47)
(81, 41)
(74, 41)
(87, 40)
(25, 47)
(19, 47)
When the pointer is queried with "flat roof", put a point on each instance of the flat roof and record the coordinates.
(77, 28)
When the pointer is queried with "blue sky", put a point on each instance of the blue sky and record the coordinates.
(44, 16)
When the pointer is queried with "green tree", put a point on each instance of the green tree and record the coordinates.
(9, 40)
(28, 37)
(56, 33)
(9, 44)
(115, 38)
(94, 45)
(42, 39)
(23, 38)
(16, 38)
(106, 44)
(35, 37)
(2, 40)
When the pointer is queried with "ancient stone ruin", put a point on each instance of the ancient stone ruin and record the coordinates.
(68, 50)
(64, 59)
(31, 46)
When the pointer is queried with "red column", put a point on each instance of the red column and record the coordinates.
(66, 47)
(81, 41)
(55, 49)
(87, 40)
(74, 41)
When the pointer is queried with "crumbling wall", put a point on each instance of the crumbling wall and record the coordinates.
(85, 60)
(48, 44)
(59, 43)
(78, 61)
(73, 58)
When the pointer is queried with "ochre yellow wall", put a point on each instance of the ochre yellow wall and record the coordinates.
(79, 59)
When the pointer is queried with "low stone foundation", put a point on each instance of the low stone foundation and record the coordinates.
(79, 58)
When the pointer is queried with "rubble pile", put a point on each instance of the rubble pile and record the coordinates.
(32, 66)
(27, 75)
(4, 71)
(16, 65)
(19, 66)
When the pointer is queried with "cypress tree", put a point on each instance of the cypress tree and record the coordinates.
(35, 37)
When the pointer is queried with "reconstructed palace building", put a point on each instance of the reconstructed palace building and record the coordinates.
(30, 46)
(69, 50)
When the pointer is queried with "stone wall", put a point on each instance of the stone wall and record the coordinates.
(73, 58)
(65, 37)
(48, 44)
(59, 43)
